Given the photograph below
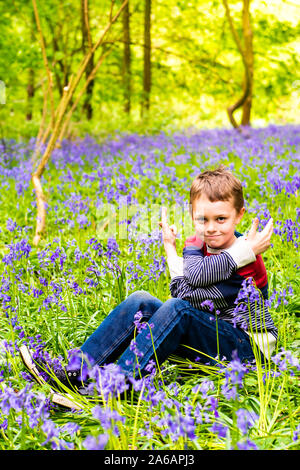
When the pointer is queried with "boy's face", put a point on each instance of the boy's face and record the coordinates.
(215, 222)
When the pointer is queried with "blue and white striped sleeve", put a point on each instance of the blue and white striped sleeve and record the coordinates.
(201, 271)
(180, 288)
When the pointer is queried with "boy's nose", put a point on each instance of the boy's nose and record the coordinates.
(210, 227)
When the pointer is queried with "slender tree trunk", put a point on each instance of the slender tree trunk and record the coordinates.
(247, 87)
(147, 58)
(30, 94)
(127, 60)
(30, 86)
(249, 57)
(87, 44)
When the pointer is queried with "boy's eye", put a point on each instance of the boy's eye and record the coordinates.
(201, 220)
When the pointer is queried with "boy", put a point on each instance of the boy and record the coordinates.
(210, 274)
(217, 206)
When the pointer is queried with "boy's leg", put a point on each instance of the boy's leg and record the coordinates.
(177, 323)
(114, 334)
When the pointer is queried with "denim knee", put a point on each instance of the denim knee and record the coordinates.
(176, 302)
(138, 294)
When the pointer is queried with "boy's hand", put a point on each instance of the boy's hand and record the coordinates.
(169, 233)
(260, 241)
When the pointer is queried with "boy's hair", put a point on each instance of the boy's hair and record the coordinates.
(217, 185)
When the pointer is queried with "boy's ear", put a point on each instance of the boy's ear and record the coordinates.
(240, 215)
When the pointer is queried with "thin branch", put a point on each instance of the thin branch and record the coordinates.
(39, 142)
(87, 23)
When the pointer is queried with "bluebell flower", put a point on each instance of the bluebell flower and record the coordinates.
(245, 420)
(247, 445)
(296, 433)
(208, 305)
(95, 443)
(11, 225)
(219, 429)
(234, 372)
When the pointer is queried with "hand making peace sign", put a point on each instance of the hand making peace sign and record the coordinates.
(169, 232)
(260, 241)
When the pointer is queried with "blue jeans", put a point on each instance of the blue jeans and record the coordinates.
(175, 323)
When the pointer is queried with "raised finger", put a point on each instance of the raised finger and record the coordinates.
(268, 229)
(174, 229)
(254, 227)
(164, 216)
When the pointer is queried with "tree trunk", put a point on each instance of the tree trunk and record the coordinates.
(30, 94)
(127, 60)
(87, 44)
(247, 87)
(147, 58)
(30, 86)
(249, 57)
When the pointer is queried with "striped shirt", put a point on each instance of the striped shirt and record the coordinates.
(235, 282)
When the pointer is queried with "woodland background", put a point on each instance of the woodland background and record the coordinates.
(168, 64)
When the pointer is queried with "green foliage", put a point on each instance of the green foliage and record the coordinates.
(196, 68)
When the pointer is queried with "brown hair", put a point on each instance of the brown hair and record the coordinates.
(218, 185)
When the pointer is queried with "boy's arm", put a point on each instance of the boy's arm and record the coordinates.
(179, 287)
(201, 271)
(197, 269)
(204, 271)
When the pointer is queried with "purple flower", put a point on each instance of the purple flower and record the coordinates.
(219, 429)
(151, 367)
(17, 251)
(11, 225)
(76, 362)
(247, 445)
(245, 420)
(204, 387)
(234, 374)
(296, 433)
(133, 347)
(95, 443)
(3, 424)
(50, 430)
(43, 281)
(208, 304)
(83, 221)
(107, 417)
(285, 360)
(137, 321)
(109, 380)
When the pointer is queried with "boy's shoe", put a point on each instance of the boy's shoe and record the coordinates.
(68, 378)
(64, 401)
(30, 365)
(69, 402)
